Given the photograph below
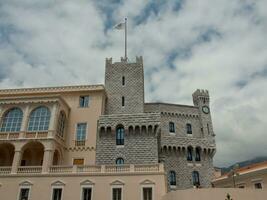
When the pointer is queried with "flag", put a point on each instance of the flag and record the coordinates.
(120, 26)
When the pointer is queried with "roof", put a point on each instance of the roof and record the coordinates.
(245, 170)
(59, 89)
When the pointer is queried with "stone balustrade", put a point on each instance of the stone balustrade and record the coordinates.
(88, 169)
(29, 135)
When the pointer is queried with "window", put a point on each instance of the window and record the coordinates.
(195, 178)
(258, 186)
(81, 131)
(208, 128)
(123, 80)
(24, 194)
(84, 101)
(189, 153)
(78, 161)
(147, 193)
(57, 194)
(188, 128)
(122, 101)
(39, 119)
(61, 123)
(86, 193)
(172, 178)
(116, 193)
(120, 136)
(119, 161)
(171, 127)
(12, 120)
(198, 158)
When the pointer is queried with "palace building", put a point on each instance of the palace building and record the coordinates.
(96, 142)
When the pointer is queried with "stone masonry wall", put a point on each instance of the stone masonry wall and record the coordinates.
(132, 91)
(137, 149)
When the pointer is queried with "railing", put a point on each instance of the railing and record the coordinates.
(7, 135)
(61, 169)
(5, 170)
(30, 170)
(88, 169)
(79, 142)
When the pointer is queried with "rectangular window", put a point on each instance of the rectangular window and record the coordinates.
(116, 194)
(24, 194)
(86, 193)
(81, 131)
(258, 186)
(122, 101)
(57, 194)
(84, 101)
(78, 161)
(147, 193)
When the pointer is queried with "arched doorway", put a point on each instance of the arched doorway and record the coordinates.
(6, 154)
(33, 153)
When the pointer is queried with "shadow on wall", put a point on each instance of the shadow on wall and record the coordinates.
(217, 194)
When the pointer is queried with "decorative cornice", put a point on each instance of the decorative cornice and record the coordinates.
(60, 89)
(81, 148)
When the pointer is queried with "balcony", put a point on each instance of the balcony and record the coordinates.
(85, 169)
(30, 135)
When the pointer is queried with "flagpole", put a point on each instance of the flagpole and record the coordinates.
(126, 39)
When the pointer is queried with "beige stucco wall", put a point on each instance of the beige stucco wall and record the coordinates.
(89, 115)
(216, 194)
(41, 187)
(247, 180)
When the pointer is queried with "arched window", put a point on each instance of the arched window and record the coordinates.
(195, 178)
(189, 153)
(119, 161)
(198, 157)
(188, 128)
(172, 178)
(122, 101)
(61, 123)
(120, 136)
(171, 127)
(11, 121)
(39, 119)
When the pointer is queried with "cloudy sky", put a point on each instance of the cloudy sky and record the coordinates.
(219, 45)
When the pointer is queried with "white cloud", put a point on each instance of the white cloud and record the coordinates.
(220, 45)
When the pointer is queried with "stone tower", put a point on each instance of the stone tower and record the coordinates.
(202, 101)
(124, 84)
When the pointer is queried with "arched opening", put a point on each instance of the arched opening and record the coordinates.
(189, 153)
(56, 158)
(33, 153)
(6, 154)
(120, 135)
(198, 155)
(195, 178)
(11, 121)
(172, 178)
(171, 127)
(119, 161)
(39, 119)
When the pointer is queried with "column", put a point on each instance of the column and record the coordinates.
(47, 160)
(16, 161)
(24, 124)
(52, 124)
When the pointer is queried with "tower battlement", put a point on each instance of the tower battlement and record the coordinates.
(201, 95)
(138, 60)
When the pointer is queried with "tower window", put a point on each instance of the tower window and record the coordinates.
(119, 161)
(122, 101)
(208, 128)
(171, 127)
(120, 136)
(189, 153)
(198, 158)
(123, 80)
(195, 177)
(172, 178)
(189, 128)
